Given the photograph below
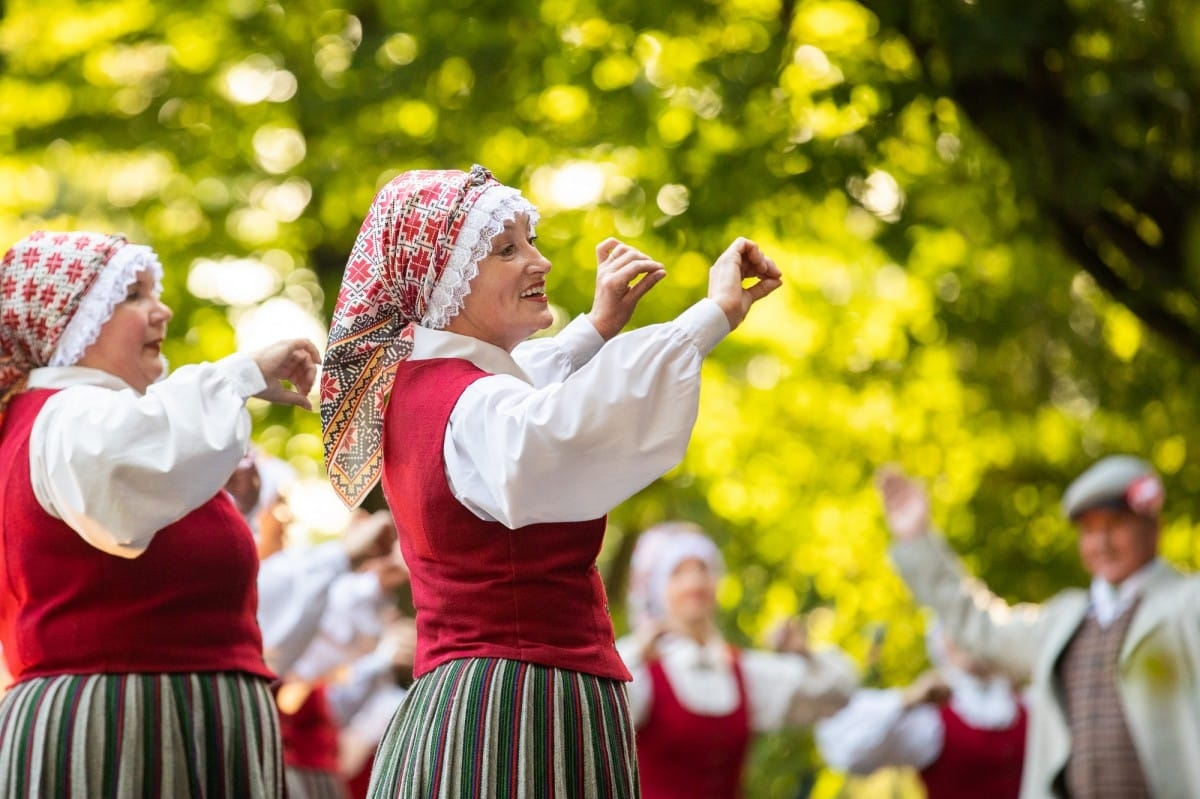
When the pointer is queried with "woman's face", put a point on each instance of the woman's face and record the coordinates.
(130, 343)
(691, 592)
(507, 303)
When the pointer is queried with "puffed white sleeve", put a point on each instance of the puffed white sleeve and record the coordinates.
(573, 450)
(117, 466)
(789, 690)
(876, 731)
(640, 691)
(293, 592)
(552, 358)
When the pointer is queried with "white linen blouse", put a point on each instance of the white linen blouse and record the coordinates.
(783, 690)
(118, 466)
(622, 409)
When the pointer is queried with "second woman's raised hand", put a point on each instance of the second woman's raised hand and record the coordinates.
(617, 266)
(294, 360)
(905, 504)
(743, 259)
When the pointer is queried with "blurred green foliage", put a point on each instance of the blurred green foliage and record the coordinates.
(950, 186)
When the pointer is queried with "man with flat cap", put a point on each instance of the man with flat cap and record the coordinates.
(1114, 670)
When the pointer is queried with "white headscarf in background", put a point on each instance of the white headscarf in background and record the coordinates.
(658, 553)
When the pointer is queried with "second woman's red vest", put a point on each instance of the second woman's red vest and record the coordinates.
(975, 763)
(186, 604)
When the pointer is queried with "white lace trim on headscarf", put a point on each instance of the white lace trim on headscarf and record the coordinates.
(96, 308)
(486, 219)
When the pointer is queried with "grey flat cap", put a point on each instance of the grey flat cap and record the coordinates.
(1107, 485)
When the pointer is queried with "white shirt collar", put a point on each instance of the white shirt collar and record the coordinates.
(687, 652)
(1109, 601)
(429, 344)
(67, 376)
(985, 703)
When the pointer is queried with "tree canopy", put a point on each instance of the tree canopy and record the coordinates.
(985, 211)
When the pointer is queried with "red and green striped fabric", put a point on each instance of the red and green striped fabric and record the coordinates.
(140, 736)
(503, 729)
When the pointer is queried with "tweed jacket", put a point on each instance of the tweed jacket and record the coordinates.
(1158, 678)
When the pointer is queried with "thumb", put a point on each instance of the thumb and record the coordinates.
(763, 287)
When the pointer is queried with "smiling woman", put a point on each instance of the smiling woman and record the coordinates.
(131, 575)
(500, 458)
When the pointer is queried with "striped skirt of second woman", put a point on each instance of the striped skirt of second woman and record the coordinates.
(504, 729)
(140, 736)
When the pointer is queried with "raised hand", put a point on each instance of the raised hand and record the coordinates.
(743, 259)
(390, 570)
(617, 267)
(294, 360)
(369, 535)
(790, 635)
(929, 688)
(905, 504)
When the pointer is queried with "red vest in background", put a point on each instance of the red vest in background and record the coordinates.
(532, 594)
(977, 764)
(186, 604)
(310, 735)
(686, 755)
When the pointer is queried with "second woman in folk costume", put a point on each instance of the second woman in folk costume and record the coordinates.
(500, 459)
(696, 701)
(127, 617)
(961, 725)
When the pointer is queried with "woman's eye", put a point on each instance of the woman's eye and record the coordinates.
(533, 240)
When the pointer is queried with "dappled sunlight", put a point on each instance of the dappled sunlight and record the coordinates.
(232, 281)
(277, 318)
(966, 291)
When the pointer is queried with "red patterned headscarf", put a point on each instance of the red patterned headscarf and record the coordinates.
(412, 264)
(56, 291)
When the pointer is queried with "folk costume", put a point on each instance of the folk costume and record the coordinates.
(696, 705)
(128, 616)
(499, 468)
(1114, 699)
(970, 746)
(350, 628)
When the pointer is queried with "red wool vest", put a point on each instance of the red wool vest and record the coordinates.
(480, 589)
(977, 764)
(186, 604)
(310, 735)
(684, 755)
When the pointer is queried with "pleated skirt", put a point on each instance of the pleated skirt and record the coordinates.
(140, 736)
(503, 729)
(303, 783)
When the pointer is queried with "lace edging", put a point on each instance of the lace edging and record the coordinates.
(110, 288)
(484, 222)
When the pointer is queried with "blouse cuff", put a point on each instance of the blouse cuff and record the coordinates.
(579, 341)
(705, 324)
(243, 374)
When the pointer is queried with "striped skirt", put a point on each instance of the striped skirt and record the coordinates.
(503, 729)
(304, 783)
(175, 736)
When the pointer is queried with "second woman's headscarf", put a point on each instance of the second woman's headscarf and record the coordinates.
(412, 264)
(57, 290)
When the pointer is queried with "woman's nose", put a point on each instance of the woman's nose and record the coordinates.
(541, 263)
